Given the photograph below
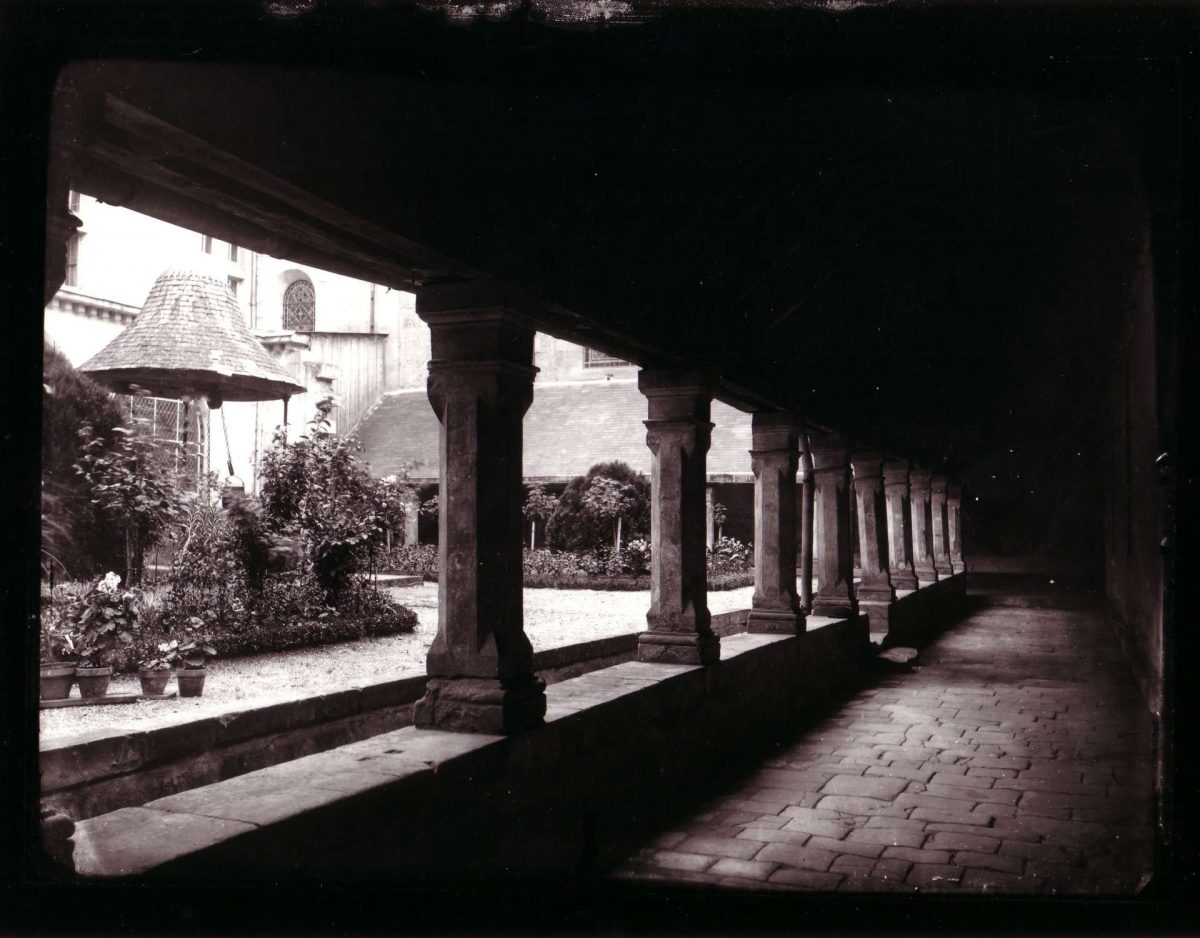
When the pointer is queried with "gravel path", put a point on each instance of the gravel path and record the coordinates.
(553, 618)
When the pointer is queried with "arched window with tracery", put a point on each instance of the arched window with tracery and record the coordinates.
(300, 306)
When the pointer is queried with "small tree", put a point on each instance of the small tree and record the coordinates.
(539, 506)
(719, 514)
(318, 486)
(608, 498)
(132, 480)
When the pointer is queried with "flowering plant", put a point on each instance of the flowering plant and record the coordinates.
(105, 617)
(164, 657)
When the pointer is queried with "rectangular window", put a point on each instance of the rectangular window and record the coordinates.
(71, 279)
(206, 243)
(596, 359)
(233, 253)
(235, 284)
(72, 201)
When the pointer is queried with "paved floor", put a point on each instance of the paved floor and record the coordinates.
(1015, 758)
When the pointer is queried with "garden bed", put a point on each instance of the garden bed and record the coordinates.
(552, 619)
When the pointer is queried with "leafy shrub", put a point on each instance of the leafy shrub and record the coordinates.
(206, 580)
(318, 487)
(729, 555)
(411, 560)
(77, 541)
(578, 524)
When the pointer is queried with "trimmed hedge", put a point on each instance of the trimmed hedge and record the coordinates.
(718, 583)
(297, 633)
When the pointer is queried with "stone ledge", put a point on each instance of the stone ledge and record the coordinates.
(426, 803)
(99, 772)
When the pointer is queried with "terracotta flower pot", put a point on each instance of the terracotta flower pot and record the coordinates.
(93, 682)
(154, 680)
(191, 681)
(56, 680)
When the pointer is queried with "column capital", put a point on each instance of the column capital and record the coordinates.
(920, 477)
(774, 431)
(867, 465)
(937, 485)
(954, 491)
(895, 472)
(830, 451)
(672, 394)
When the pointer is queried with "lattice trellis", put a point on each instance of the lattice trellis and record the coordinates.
(170, 421)
(300, 307)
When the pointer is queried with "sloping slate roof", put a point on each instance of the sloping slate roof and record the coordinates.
(569, 428)
(190, 338)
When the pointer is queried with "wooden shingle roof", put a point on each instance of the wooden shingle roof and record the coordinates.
(569, 428)
(190, 338)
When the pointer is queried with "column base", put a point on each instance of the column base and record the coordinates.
(926, 574)
(834, 607)
(879, 592)
(775, 622)
(679, 648)
(480, 705)
(904, 580)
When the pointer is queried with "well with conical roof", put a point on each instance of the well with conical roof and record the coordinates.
(190, 340)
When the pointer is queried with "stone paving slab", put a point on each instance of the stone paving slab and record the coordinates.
(1015, 758)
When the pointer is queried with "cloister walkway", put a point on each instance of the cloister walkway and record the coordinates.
(1016, 757)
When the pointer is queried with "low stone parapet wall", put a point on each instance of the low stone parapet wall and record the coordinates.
(619, 744)
(95, 773)
(916, 618)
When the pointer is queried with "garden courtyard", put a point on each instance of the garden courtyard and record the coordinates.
(553, 618)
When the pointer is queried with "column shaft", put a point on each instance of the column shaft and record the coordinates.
(678, 434)
(775, 457)
(806, 530)
(876, 584)
(831, 472)
(480, 663)
(923, 562)
(954, 525)
(895, 483)
(937, 511)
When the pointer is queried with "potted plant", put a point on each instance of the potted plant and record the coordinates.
(108, 617)
(58, 662)
(193, 657)
(154, 669)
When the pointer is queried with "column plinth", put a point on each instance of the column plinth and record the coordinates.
(876, 584)
(831, 506)
(480, 663)
(937, 513)
(923, 561)
(775, 458)
(678, 433)
(895, 485)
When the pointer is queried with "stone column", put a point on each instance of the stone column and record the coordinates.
(954, 524)
(678, 433)
(412, 518)
(775, 457)
(923, 563)
(831, 503)
(806, 528)
(710, 526)
(480, 664)
(895, 485)
(876, 585)
(937, 511)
